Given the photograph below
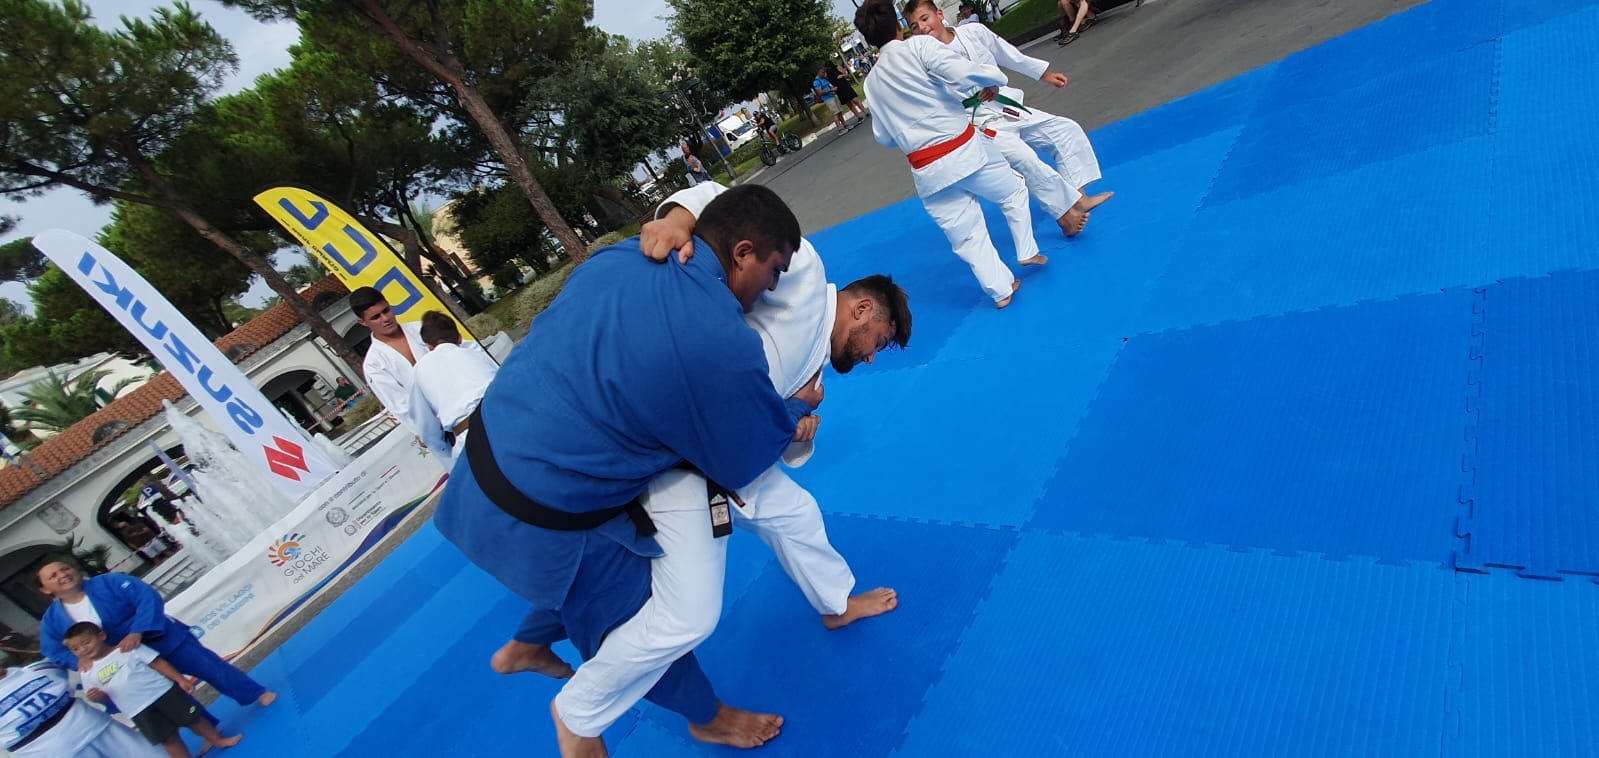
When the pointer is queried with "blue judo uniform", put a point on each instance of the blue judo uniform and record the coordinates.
(127, 605)
(634, 368)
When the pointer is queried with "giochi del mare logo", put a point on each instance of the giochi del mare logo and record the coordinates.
(285, 550)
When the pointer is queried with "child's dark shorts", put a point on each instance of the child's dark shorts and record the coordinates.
(163, 718)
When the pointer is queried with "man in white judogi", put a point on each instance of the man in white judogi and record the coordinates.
(40, 718)
(392, 356)
(1020, 130)
(952, 164)
(804, 323)
(447, 385)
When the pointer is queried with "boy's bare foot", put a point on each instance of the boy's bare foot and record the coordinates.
(573, 746)
(1073, 220)
(226, 741)
(1089, 203)
(736, 727)
(516, 657)
(1037, 260)
(267, 698)
(1015, 284)
(865, 605)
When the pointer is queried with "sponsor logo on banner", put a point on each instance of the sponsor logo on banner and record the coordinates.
(295, 557)
(337, 516)
(353, 253)
(248, 419)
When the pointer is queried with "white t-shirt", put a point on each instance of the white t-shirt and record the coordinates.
(128, 679)
(83, 610)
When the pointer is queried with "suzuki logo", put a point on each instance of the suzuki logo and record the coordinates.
(285, 458)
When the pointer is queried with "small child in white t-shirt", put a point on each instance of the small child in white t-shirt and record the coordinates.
(145, 686)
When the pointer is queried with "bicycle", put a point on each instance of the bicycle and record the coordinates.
(786, 143)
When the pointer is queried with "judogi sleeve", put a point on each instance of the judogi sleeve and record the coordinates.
(425, 420)
(385, 386)
(149, 614)
(50, 631)
(694, 199)
(954, 70)
(1006, 54)
(723, 416)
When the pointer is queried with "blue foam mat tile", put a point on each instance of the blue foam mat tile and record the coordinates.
(653, 739)
(1529, 96)
(1096, 647)
(1442, 100)
(1537, 14)
(1336, 431)
(1538, 426)
(1219, 107)
(942, 445)
(850, 692)
(1525, 654)
(1333, 241)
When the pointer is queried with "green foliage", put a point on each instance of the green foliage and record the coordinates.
(1026, 16)
(498, 232)
(20, 261)
(93, 561)
(66, 325)
(55, 404)
(750, 46)
(515, 312)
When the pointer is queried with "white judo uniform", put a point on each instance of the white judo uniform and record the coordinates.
(446, 386)
(909, 89)
(795, 322)
(37, 708)
(1056, 136)
(389, 374)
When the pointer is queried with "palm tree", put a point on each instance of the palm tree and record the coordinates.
(54, 404)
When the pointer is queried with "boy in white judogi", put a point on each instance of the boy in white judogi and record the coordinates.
(1020, 129)
(447, 384)
(799, 325)
(952, 163)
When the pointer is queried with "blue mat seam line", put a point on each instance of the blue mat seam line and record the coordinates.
(1474, 286)
(1032, 515)
(919, 520)
(1472, 405)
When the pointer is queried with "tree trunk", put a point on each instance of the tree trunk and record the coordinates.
(257, 264)
(412, 244)
(442, 64)
(615, 194)
(797, 99)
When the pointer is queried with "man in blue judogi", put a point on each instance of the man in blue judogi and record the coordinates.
(635, 369)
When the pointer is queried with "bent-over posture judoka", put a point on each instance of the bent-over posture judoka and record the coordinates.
(446, 386)
(952, 163)
(639, 367)
(40, 718)
(804, 324)
(1017, 127)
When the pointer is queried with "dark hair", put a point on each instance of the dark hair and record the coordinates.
(363, 298)
(748, 212)
(968, 6)
(891, 298)
(81, 629)
(875, 20)
(911, 6)
(438, 328)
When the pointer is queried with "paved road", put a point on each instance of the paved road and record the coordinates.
(1134, 60)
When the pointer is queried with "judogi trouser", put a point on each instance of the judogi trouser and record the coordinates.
(1043, 183)
(686, 587)
(1065, 141)
(188, 656)
(957, 212)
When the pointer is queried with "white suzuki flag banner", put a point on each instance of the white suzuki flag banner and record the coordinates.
(248, 419)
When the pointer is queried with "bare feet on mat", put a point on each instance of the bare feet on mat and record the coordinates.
(1015, 284)
(516, 657)
(862, 606)
(1073, 221)
(1088, 203)
(573, 746)
(225, 741)
(1037, 260)
(736, 727)
(267, 698)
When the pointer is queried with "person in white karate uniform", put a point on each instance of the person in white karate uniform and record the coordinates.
(1021, 132)
(391, 359)
(447, 384)
(40, 718)
(804, 324)
(952, 163)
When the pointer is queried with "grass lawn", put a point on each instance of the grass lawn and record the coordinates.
(1025, 17)
(514, 312)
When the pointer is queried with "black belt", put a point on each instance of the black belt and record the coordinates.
(45, 725)
(527, 510)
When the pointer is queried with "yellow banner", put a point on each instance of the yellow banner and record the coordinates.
(353, 253)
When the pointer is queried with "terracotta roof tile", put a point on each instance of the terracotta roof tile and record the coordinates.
(64, 450)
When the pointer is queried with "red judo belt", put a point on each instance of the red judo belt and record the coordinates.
(925, 156)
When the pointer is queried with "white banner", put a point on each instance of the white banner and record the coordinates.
(236, 602)
(249, 420)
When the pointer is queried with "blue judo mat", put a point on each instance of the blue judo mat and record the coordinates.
(1293, 452)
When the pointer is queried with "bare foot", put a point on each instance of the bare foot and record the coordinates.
(1089, 203)
(865, 605)
(225, 741)
(736, 727)
(573, 746)
(1015, 284)
(516, 657)
(1073, 221)
(1037, 260)
(267, 698)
